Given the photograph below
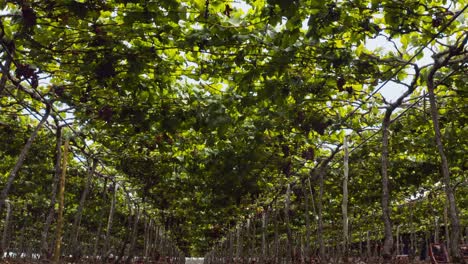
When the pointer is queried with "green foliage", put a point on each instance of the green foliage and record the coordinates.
(204, 109)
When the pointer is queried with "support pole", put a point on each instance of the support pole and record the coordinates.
(61, 196)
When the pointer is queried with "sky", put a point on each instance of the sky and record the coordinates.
(393, 90)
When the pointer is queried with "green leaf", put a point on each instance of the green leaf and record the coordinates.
(404, 41)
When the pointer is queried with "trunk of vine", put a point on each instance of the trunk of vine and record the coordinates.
(388, 237)
(276, 238)
(145, 232)
(134, 236)
(388, 240)
(99, 230)
(238, 243)
(307, 220)
(61, 196)
(4, 246)
(148, 237)
(368, 245)
(109, 223)
(320, 221)
(412, 232)
(290, 250)
(248, 240)
(163, 242)
(53, 194)
(22, 157)
(23, 224)
(152, 238)
(128, 235)
(452, 205)
(231, 247)
(446, 226)
(398, 252)
(312, 199)
(264, 234)
(155, 248)
(77, 221)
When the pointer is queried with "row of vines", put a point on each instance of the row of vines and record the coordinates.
(264, 131)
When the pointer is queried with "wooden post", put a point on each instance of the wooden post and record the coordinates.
(307, 222)
(302, 249)
(368, 244)
(109, 221)
(447, 233)
(150, 237)
(253, 242)
(314, 210)
(5, 228)
(53, 194)
(360, 242)
(162, 240)
(320, 220)
(157, 238)
(239, 244)
(248, 250)
(146, 238)
(24, 222)
(344, 205)
(61, 200)
(264, 230)
(99, 230)
(76, 246)
(231, 247)
(134, 234)
(276, 248)
(398, 240)
(412, 235)
(287, 204)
